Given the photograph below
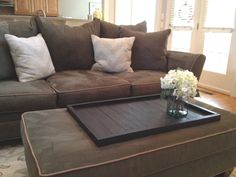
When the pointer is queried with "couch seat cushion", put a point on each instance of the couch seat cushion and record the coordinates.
(20, 97)
(81, 86)
(143, 82)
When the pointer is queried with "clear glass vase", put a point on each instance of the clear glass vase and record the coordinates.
(176, 107)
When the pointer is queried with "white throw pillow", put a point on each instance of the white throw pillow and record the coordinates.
(112, 55)
(31, 57)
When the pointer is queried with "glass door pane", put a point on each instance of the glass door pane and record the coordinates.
(182, 23)
(217, 29)
(181, 41)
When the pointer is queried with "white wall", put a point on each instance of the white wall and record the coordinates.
(109, 10)
(78, 9)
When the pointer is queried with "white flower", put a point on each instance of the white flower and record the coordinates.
(182, 82)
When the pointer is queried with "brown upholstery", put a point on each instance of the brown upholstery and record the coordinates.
(143, 82)
(81, 86)
(55, 142)
(19, 97)
(92, 27)
(109, 30)
(149, 49)
(190, 61)
(69, 47)
(142, 27)
(17, 28)
(10, 129)
(16, 98)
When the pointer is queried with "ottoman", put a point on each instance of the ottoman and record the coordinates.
(55, 145)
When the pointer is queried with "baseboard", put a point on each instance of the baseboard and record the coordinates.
(215, 89)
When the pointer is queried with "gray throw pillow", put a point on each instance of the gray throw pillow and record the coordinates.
(31, 57)
(112, 55)
(70, 47)
(21, 28)
(149, 49)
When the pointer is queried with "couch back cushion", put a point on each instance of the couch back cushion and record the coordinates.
(109, 30)
(149, 49)
(70, 47)
(25, 28)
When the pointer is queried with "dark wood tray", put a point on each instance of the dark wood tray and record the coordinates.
(118, 120)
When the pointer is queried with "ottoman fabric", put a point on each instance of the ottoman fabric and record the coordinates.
(55, 145)
(81, 86)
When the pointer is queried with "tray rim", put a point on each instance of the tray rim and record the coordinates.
(213, 116)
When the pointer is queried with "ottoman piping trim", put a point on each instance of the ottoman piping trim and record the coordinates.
(94, 88)
(110, 161)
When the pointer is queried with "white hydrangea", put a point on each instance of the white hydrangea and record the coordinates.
(182, 82)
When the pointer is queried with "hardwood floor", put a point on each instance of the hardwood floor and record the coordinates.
(217, 99)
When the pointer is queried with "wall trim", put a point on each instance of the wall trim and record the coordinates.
(216, 89)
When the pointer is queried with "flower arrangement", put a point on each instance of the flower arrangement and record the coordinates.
(179, 83)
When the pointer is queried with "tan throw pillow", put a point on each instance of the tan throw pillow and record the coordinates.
(149, 49)
(31, 57)
(112, 55)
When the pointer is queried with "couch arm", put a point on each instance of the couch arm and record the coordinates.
(189, 61)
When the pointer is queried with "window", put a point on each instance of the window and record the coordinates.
(218, 26)
(135, 11)
(181, 22)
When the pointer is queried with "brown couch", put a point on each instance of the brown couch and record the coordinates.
(73, 82)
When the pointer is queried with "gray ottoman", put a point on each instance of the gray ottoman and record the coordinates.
(55, 145)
